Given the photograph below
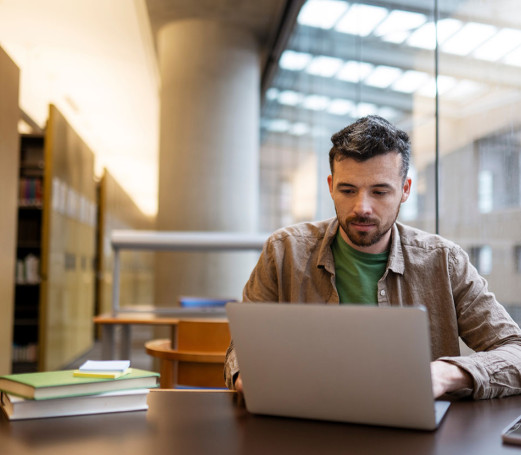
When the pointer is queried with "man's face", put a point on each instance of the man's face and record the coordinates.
(367, 197)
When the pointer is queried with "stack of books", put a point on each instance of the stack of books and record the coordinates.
(92, 389)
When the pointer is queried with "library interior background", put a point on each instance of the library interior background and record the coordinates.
(217, 116)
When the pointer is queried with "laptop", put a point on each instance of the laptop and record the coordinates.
(347, 363)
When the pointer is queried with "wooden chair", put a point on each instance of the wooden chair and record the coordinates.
(198, 357)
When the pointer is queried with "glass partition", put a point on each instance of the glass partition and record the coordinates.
(446, 71)
(479, 130)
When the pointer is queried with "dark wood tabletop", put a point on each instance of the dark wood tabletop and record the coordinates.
(202, 422)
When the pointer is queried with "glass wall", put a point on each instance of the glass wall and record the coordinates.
(446, 71)
(480, 138)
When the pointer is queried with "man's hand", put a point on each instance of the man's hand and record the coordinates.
(238, 383)
(447, 377)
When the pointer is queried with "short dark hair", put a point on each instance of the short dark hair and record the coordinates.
(368, 137)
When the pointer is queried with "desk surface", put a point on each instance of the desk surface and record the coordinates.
(188, 422)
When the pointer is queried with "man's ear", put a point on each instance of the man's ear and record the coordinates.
(330, 184)
(406, 189)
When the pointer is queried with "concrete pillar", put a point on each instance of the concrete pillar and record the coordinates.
(208, 174)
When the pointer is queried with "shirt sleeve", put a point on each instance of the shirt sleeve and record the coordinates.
(487, 328)
(262, 286)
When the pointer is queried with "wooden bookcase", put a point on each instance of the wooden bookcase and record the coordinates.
(28, 254)
(55, 267)
(117, 210)
(69, 218)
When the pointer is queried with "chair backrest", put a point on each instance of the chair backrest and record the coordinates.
(203, 335)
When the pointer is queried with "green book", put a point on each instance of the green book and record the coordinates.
(59, 384)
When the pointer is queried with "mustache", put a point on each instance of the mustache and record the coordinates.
(361, 220)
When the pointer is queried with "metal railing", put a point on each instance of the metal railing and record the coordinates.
(175, 241)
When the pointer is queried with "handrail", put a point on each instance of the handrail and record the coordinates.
(176, 241)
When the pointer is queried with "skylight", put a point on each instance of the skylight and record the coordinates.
(468, 38)
(388, 113)
(400, 21)
(299, 129)
(364, 109)
(294, 61)
(316, 102)
(340, 106)
(324, 66)
(354, 71)
(383, 76)
(445, 83)
(321, 13)
(514, 58)
(290, 98)
(425, 36)
(277, 125)
(410, 81)
(361, 19)
(499, 45)
(464, 89)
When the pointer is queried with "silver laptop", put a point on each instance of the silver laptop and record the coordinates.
(348, 363)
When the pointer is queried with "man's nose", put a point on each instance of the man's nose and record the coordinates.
(363, 205)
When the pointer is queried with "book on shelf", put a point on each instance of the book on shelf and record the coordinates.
(17, 408)
(60, 384)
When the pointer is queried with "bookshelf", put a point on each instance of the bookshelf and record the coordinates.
(28, 254)
(69, 210)
(117, 210)
(55, 249)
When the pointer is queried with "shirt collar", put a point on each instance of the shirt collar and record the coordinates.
(325, 255)
(395, 262)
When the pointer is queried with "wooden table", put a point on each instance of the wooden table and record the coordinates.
(196, 422)
(109, 323)
(170, 317)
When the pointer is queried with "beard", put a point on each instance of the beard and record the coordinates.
(366, 238)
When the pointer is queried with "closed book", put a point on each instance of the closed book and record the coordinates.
(58, 384)
(17, 408)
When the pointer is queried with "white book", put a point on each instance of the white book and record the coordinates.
(105, 365)
(17, 408)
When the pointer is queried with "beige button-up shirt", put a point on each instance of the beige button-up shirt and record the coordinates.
(297, 265)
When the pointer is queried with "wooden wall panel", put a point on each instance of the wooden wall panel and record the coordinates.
(118, 211)
(9, 163)
(68, 246)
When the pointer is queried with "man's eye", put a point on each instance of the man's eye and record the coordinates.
(380, 193)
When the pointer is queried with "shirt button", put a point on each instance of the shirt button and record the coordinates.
(382, 292)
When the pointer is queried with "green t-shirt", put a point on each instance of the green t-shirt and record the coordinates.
(357, 273)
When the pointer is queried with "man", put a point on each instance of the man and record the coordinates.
(364, 255)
